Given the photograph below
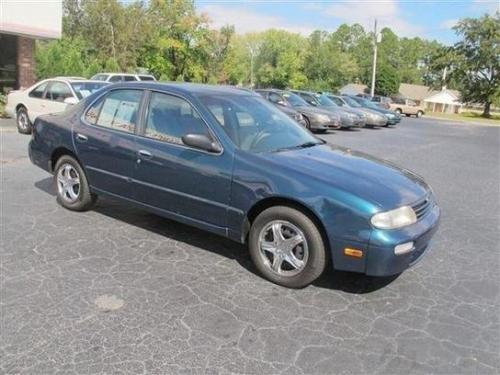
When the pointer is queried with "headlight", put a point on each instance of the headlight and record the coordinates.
(397, 218)
(298, 117)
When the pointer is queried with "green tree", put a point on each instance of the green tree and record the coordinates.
(387, 81)
(473, 64)
(280, 60)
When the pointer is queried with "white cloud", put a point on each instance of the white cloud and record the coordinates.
(386, 12)
(448, 24)
(486, 6)
(245, 20)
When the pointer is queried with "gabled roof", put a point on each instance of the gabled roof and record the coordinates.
(353, 89)
(415, 92)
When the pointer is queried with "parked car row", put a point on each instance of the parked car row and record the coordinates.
(324, 111)
(229, 162)
(318, 112)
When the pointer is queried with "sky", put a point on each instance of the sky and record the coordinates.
(429, 19)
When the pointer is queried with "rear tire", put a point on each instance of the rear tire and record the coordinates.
(284, 235)
(419, 114)
(23, 121)
(72, 187)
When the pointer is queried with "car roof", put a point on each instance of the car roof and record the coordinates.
(117, 74)
(195, 89)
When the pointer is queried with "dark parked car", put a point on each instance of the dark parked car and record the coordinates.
(227, 161)
(382, 101)
(317, 119)
(292, 113)
(393, 117)
(348, 118)
(373, 118)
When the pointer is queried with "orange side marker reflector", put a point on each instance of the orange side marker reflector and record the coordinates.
(353, 253)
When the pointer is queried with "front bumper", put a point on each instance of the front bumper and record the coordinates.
(379, 121)
(381, 259)
(324, 125)
(394, 121)
(347, 122)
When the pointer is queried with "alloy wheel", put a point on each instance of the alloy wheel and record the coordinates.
(68, 183)
(283, 248)
(22, 120)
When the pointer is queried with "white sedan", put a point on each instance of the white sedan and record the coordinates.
(47, 96)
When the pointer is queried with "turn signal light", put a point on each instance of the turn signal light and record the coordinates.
(353, 252)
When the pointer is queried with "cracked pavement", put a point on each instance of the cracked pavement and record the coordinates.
(119, 290)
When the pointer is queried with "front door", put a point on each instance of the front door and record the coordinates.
(181, 180)
(105, 141)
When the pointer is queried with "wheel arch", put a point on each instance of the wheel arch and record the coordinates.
(19, 105)
(266, 203)
(61, 151)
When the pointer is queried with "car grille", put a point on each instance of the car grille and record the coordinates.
(422, 207)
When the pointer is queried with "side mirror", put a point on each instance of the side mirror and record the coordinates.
(201, 141)
(281, 102)
(71, 100)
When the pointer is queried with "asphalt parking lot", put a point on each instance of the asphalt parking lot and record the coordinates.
(119, 290)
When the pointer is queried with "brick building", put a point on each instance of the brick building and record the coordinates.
(21, 24)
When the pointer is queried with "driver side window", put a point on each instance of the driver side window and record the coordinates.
(169, 118)
(275, 98)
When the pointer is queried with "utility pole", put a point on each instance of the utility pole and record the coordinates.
(252, 51)
(374, 68)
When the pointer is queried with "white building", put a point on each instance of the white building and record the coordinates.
(21, 23)
(443, 101)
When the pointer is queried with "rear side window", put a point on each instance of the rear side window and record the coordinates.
(129, 78)
(118, 110)
(38, 91)
(169, 118)
(146, 78)
(58, 91)
(116, 79)
(99, 77)
(275, 98)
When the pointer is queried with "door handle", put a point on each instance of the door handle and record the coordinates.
(81, 137)
(145, 154)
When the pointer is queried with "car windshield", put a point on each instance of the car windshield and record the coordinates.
(294, 99)
(325, 101)
(351, 102)
(367, 103)
(84, 89)
(255, 125)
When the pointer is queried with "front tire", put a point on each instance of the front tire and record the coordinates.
(287, 248)
(420, 114)
(398, 111)
(72, 188)
(23, 121)
(308, 123)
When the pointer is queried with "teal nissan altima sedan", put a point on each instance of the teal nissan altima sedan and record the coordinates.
(227, 161)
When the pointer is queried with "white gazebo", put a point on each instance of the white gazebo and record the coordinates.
(446, 101)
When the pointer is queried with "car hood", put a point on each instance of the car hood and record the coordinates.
(370, 111)
(383, 111)
(312, 110)
(376, 181)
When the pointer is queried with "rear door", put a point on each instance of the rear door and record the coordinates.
(105, 141)
(179, 179)
(57, 92)
(36, 100)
